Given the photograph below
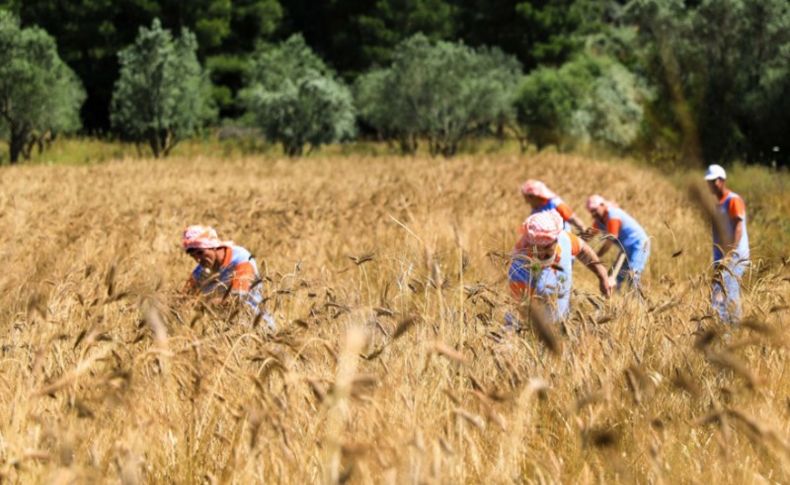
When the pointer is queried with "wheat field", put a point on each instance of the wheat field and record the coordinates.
(387, 277)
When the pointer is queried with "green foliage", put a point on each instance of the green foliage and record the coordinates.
(610, 111)
(368, 91)
(227, 76)
(544, 106)
(589, 99)
(559, 21)
(251, 21)
(723, 68)
(39, 95)
(392, 21)
(162, 95)
(209, 20)
(295, 99)
(441, 91)
(90, 33)
(719, 70)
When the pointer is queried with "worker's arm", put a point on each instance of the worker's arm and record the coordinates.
(521, 244)
(736, 239)
(577, 223)
(587, 256)
(737, 212)
(590, 232)
(189, 291)
(613, 229)
(189, 286)
(568, 216)
(520, 290)
(243, 277)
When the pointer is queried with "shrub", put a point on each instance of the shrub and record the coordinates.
(163, 95)
(588, 99)
(442, 91)
(40, 95)
(295, 99)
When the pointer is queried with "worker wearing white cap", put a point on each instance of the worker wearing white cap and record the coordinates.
(730, 247)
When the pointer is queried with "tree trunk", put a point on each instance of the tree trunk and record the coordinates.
(153, 142)
(500, 130)
(30, 142)
(434, 146)
(523, 143)
(293, 149)
(16, 145)
(170, 142)
(45, 141)
(408, 145)
(450, 149)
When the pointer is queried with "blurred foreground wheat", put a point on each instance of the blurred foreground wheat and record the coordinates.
(387, 280)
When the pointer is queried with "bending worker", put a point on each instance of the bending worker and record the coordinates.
(225, 272)
(540, 198)
(542, 266)
(629, 236)
(730, 249)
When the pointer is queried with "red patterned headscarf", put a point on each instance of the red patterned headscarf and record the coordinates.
(543, 228)
(202, 237)
(538, 189)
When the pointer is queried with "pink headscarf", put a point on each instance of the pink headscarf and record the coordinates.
(537, 188)
(594, 201)
(543, 228)
(202, 237)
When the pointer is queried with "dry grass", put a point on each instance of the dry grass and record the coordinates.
(387, 278)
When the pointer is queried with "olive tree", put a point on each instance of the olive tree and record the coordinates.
(440, 91)
(388, 115)
(544, 105)
(163, 95)
(39, 94)
(295, 99)
(611, 111)
(588, 99)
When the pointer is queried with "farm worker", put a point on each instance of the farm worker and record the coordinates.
(730, 249)
(224, 270)
(626, 233)
(542, 265)
(540, 198)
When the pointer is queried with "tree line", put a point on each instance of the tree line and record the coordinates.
(702, 79)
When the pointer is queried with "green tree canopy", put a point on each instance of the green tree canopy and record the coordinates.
(295, 99)
(163, 94)
(38, 92)
(723, 72)
(90, 33)
(441, 91)
(251, 22)
(392, 21)
(588, 99)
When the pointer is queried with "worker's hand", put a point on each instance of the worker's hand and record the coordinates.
(731, 257)
(605, 287)
(612, 281)
(587, 233)
(219, 301)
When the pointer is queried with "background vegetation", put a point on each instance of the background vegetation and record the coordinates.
(700, 81)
